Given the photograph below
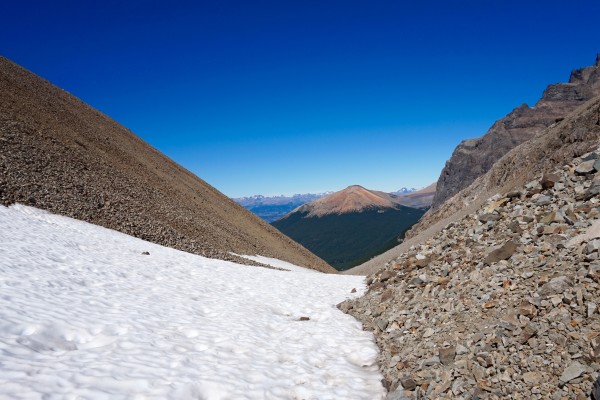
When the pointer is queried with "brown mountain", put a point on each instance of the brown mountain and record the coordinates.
(473, 158)
(59, 154)
(354, 198)
(350, 226)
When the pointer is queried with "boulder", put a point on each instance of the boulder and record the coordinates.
(504, 252)
(573, 371)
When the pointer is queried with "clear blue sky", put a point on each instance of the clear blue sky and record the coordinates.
(276, 97)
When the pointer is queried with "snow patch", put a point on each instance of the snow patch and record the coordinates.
(273, 262)
(84, 314)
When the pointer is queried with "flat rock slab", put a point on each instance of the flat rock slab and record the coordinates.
(573, 371)
(588, 167)
(592, 232)
(555, 286)
(502, 253)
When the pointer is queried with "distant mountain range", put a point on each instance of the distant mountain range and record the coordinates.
(271, 208)
(421, 198)
(404, 191)
(349, 227)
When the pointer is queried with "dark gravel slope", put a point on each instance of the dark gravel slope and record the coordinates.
(59, 154)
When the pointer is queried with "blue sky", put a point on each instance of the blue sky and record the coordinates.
(287, 97)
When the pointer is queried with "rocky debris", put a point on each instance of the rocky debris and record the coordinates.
(588, 167)
(502, 253)
(61, 155)
(556, 286)
(523, 324)
(473, 158)
(304, 319)
(576, 135)
(447, 355)
(573, 371)
(596, 390)
(397, 394)
(549, 180)
(408, 383)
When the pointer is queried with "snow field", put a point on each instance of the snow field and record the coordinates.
(84, 314)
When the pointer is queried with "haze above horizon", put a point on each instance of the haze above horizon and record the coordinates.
(304, 97)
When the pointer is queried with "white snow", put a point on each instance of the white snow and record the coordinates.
(83, 314)
(273, 262)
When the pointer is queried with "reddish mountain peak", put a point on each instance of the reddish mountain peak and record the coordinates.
(354, 198)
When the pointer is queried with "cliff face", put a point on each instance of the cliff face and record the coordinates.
(473, 158)
(59, 154)
(578, 133)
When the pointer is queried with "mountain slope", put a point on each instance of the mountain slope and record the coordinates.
(421, 198)
(472, 158)
(577, 134)
(503, 302)
(350, 226)
(59, 154)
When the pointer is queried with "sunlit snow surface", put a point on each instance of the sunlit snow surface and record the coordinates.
(83, 314)
(278, 263)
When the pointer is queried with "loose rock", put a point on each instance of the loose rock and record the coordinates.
(574, 370)
(505, 307)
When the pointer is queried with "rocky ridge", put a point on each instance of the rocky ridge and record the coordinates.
(501, 304)
(577, 134)
(474, 157)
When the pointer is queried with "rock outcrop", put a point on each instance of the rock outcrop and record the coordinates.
(59, 154)
(503, 302)
(473, 158)
(575, 135)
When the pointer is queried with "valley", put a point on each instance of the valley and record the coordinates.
(349, 227)
(125, 274)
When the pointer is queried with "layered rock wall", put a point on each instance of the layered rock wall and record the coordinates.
(473, 158)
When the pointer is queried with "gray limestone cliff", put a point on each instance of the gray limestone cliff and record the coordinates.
(474, 157)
